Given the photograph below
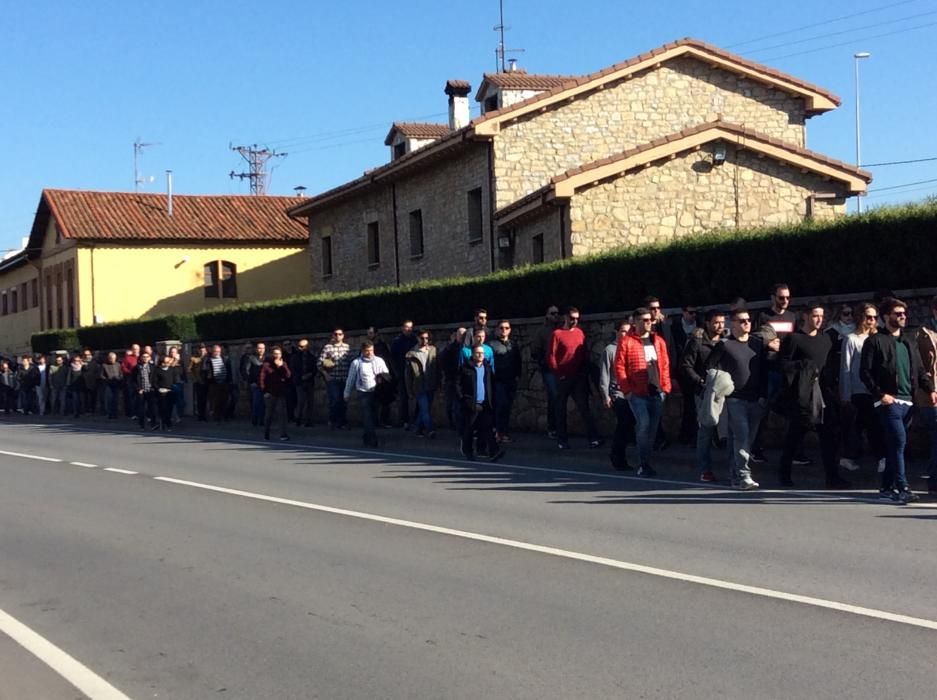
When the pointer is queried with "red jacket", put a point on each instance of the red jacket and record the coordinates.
(129, 364)
(631, 367)
(274, 380)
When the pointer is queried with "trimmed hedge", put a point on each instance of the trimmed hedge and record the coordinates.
(49, 341)
(888, 247)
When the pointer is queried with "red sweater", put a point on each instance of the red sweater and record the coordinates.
(274, 380)
(129, 364)
(631, 366)
(567, 352)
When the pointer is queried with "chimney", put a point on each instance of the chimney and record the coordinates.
(458, 91)
(169, 192)
(512, 65)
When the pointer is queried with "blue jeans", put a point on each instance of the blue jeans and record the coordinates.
(424, 413)
(647, 411)
(930, 420)
(257, 406)
(895, 420)
(336, 395)
(550, 384)
(744, 419)
(504, 401)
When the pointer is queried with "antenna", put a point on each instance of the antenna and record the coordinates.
(138, 147)
(256, 173)
(501, 50)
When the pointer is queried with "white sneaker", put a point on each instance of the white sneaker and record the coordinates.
(849, 464)
(747, 483)
(881, 465)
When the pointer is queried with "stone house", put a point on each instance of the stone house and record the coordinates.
(680, 140)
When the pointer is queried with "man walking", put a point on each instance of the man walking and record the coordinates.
(365, 374)
(642, 370)
(568, 360)
(691, 372)
(399, 348)
(127, 367)
(144, 382)
(539, 349)
(450, 360)
(507, 358)
(475, 389)
(251, 364)
(810, 399)
(274, 382)
(303, 371)
(892, 371)
(334, 361)
(744, 357)
(682, 332)
(216, 372)
(614, 399)
(422, 379)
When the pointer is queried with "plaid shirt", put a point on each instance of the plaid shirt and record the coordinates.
(340, 354)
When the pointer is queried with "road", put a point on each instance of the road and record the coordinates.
(170, 567)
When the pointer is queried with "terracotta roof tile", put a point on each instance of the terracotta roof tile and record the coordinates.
(417, 130)
(458, 87)
(129, 216)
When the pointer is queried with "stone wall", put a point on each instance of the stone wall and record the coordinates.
(681, 93)
(687, 195)
(548, 223)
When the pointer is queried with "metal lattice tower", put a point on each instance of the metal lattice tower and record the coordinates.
(257, 159)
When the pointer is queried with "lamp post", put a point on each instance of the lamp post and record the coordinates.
(857, 57)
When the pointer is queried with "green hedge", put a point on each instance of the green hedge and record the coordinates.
(49, 341)
(889, 247)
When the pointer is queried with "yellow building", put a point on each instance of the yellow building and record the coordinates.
(96, 257)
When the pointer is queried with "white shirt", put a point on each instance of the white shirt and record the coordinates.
(362, 376)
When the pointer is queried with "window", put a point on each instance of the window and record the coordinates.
(416, 233)
(49, 301)
(59, 304)
(327, 256)
(475, 215)
(35, 292)
(13, 301)
(374, 244)
(4, 308)
(220, 280)
(536, 252)
(400, 149)
(70, 291)
(491, 103)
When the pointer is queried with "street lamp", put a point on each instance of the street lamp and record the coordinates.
(857, 57)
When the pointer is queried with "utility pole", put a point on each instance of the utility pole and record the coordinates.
(138, 147)
(257, 159)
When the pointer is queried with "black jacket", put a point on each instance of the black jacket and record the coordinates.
(878, 365)
(466, 386)
(507, 358)
(691, 367)
(250, 368)
(303, 366)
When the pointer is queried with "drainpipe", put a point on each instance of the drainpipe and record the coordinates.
(491, 201)
(564, 212)
(94, 312)
(393, 195)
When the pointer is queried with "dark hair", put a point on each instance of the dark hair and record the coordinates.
(622, 322)
(890, 304)
(421, 331)
(571, 310)
(366, 344)
(402, 323)
(712, 313)
(275, 348)
(641, 310)
(736, 303)
(648, 300)
(811, 305)
(340, 330)
(740, 310)
(480, 311)
(779, 285)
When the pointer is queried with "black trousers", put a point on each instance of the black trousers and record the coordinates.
(577, 388)
(200, 389)
(146, 407)
(688, 421)
(829, 433)
(480, 419)
(624, 431)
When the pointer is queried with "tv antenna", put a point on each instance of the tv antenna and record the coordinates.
(502, 50)
(138, 179)
(257, 159)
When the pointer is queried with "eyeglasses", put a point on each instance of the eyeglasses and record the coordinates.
(845, 312)
(504, 328)
(553, 313)
(654, 308)
(339, 334)
(899, 314)
(744, 320)
(780, 297)
(871, 318)
(646, 319)
(692, 312)
(424, 337)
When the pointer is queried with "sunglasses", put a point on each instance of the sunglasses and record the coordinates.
(504, 328)
(871, 318)
(744, 320)
(899, 314)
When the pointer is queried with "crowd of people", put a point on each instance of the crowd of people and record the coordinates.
(857, 379)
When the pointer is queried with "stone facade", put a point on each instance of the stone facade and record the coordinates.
(658, 102)
(551, 224)
(440, 192)
(687, 195)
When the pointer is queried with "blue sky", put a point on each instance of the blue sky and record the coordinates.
(323, 81)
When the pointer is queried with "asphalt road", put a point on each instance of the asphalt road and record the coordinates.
(279, 572)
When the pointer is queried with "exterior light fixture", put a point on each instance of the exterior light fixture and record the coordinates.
(719, 154)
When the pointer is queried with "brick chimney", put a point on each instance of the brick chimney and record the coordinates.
(458, 91)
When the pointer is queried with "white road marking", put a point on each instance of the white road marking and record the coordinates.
(25, 456)
(72, 670)
(84, 464)
(119, 471)
(578, 556)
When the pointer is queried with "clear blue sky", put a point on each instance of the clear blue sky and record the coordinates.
(323, 81)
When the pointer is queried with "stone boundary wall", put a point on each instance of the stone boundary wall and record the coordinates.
(529, 414)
